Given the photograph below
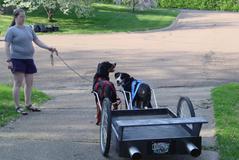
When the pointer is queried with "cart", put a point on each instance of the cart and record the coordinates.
(150, 132)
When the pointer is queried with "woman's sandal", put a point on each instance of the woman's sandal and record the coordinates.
(21, 111)
(33, 109)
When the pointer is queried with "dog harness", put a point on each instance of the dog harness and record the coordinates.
(104, 84)
(134, 88)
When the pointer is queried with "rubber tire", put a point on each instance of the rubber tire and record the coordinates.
(190, 106)
(106, 108)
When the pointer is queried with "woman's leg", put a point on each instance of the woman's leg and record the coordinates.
(18, 79)
(28, 88)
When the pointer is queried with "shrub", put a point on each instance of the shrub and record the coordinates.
(230, 5)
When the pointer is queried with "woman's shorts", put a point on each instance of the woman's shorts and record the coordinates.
(26, 66)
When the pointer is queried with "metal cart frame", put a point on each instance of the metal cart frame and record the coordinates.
(150, 132)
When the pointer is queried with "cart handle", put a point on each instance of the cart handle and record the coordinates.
(128, 104)
(155, 100)
(98, 99)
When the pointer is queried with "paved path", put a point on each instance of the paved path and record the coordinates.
(199, 52)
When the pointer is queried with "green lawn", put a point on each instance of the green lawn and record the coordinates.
(226, 105)
(107, 18)
(7, 109)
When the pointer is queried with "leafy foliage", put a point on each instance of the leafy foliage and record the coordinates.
(82, 8)
(106, 1)
(232, 5)
(1, 3)
(140, 4)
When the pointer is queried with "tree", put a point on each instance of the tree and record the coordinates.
(131, 3)
(82, 8)
(140, 4)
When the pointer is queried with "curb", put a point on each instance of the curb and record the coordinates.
(170, 27)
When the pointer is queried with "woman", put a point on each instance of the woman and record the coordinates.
(20, 51)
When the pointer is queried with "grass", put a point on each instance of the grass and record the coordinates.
(107, 18)
(226, 105)
(7, 109)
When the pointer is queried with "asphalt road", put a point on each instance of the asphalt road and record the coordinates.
(196, 54)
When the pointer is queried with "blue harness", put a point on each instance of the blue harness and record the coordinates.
(134, 88)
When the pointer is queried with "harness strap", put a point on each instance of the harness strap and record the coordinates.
(134, 88)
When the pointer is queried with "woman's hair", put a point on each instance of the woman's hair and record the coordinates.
(16, 13)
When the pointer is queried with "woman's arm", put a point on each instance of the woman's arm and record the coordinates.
(43, 45)
(7, 50)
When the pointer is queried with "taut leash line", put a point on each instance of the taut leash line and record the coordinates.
(68, 66)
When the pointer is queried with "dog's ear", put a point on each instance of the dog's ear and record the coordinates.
(98, 68)
(125, 76)
(117, 74)
(112, 67)
(103, 67)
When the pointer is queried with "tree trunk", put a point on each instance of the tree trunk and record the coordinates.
(50, 16)
(134, 3)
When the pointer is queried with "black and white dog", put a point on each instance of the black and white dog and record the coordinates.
(140, 92)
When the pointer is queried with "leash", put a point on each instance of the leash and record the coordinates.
(64, 62)
(68, 66)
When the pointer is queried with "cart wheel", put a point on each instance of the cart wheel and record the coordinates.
(185, 109)
(105, 127)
